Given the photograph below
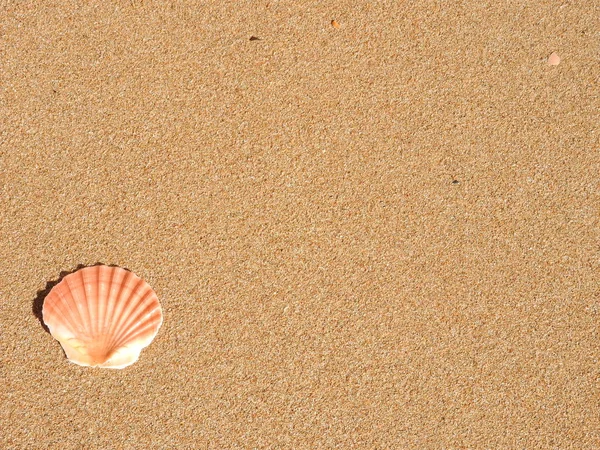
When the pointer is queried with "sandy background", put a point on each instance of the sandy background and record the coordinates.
(380, 236)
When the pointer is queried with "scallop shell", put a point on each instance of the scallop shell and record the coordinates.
(102, 316)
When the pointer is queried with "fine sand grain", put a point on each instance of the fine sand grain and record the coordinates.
(370, 225)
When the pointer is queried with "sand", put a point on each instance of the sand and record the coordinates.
(370, 225)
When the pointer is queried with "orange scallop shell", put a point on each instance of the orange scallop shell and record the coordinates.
(102, 316)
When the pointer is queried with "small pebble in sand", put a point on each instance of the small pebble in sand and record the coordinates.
(335, 24)
(553, 59)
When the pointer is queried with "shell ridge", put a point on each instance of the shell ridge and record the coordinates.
(122, 301)
(83, 343)
(128, 297)
(107, 301)
(58, 304)
(77, 291)
(104, 278)
(111, 299)
(86, 276)
(143, 332)
(73, 303)
(95, 290)
(146, 319)
(111, 304)
(69, 314)
(137, 311)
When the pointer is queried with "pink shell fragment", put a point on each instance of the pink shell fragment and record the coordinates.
(553, 59)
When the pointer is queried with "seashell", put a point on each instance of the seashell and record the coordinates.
(102, 316)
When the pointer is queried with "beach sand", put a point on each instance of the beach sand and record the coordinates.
(370, 225)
